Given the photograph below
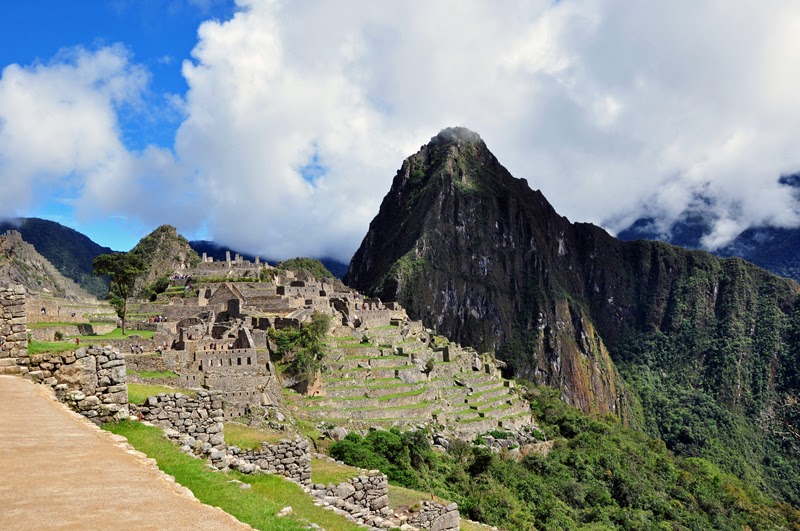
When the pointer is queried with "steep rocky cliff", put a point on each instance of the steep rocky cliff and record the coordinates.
(486, 261)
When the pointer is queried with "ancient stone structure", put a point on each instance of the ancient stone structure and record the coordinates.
(197, 424)
(436, 517)
(363, 498)
(92, 381)
(13, 340)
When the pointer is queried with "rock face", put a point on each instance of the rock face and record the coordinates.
(484, 260)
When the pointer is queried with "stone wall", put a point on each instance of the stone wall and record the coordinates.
(364, 499)
(197, 424)
(13, 324)
(436, 517)
(92, 381)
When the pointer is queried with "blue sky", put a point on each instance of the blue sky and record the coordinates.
(158, 34)
(276, 127)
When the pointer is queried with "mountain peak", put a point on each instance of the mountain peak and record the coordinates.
(456, 134)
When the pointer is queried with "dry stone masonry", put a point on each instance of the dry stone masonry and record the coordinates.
(13, 340)
(197, 424)
(92, 381)
(365, 499)
(436, 517)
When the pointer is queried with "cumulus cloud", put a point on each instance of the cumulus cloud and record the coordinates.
(613, 109)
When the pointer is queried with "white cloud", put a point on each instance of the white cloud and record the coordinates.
(58, 123)
(614, 109)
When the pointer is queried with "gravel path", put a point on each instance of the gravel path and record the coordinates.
(59, 471)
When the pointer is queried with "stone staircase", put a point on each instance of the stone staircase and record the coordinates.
(388, 378)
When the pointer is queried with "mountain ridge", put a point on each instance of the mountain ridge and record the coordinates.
(631, 328)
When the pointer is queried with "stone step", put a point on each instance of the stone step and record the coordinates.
(389, 400)
(516, 421)
(374, 390)
(392, 333)
(499, 411)
(491, 392)
(358, 349)
(475, 379)
(421, 410)
(349, 362)
(486, 403)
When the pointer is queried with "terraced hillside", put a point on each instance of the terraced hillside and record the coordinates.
(402, 375)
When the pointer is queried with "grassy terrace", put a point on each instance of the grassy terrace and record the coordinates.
(249, 438)
(376, 381)
(36, 347)
(387, 327)
(256, 506)
(39, 326)
(356, 345)
(152, 374)
(392, 357)
(384, 398)
(420, 405)
(487, 391)
(138, 393)
(327, 472)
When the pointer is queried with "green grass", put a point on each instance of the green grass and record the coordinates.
(153, 374)
(138, 393)
(308, 429)
(256, 506)
(327, 472)
(249, 438)
(399, 496)
(117, 334)
(54, 347)
(420, 405)
(38, 326)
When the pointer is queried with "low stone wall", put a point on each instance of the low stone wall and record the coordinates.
(364, 498)
(92, 381)
(197, 424)
(288, 458)
(436, 517)
(79, 329)
(199, 417)
(13, 340)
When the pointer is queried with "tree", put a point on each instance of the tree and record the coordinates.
(123, 269)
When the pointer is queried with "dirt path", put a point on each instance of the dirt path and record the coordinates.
(59, 471)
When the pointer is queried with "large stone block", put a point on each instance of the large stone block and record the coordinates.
(80, 375)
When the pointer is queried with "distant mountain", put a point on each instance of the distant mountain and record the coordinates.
(775, 249)
(693, 349)
(164, 251)
(20, 263)
(218, 251)
(70, 252)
